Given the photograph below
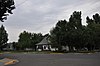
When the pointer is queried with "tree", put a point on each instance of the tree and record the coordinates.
(6, 7)
(36, 38)
(75, 31)
(24, 40)
(58, 34)
(3, 36)
(28, 40)
(68, 33)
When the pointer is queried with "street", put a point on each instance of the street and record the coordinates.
(68, 59)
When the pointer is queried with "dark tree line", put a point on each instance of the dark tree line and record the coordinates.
(73, 34)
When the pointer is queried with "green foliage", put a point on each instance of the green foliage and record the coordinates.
(24, 40)
(67, 33)
(28, 40)
(3, 36)
(6, 7)
(95, 32)
(75, 20)
(58, 34)
(73, 34)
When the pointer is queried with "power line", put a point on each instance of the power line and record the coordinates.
(21, 3)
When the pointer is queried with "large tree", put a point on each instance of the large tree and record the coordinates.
(6, 7)
(3, 36)
(75, 30)
(24, 40)
(67, 33)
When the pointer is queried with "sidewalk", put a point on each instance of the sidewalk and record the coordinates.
(7, 61)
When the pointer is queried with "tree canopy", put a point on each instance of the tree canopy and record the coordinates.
(6, 7)
(28, 40)
(75, 35)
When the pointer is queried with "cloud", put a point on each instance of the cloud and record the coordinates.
(42, 15)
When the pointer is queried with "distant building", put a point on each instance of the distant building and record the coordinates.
(8, 46)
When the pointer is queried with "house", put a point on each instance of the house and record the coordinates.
(9, 46)
(44, 45)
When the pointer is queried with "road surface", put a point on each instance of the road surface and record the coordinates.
(68, 59)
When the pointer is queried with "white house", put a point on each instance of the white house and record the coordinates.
(44, 45)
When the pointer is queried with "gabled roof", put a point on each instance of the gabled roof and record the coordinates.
(44, 41)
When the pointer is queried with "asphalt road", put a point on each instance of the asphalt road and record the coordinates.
(69, 59)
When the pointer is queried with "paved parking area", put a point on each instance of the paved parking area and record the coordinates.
(68, 59)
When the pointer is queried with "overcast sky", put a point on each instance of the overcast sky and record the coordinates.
(41, 15)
